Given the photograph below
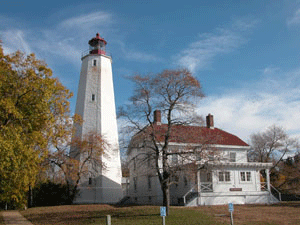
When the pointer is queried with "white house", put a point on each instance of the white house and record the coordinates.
(220, 174)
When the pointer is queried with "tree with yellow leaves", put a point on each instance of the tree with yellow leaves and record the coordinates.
(32, 104)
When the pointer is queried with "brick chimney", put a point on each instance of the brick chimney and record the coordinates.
(210, 121)
(157, 117)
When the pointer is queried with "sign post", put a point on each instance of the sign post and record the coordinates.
(230, 207)
(163, 213)
(108, 220)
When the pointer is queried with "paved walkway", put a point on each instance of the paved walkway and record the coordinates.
(14, 217)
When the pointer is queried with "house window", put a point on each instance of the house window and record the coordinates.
(90, 181)
(185, 181)
(232, 157)
(135, 184)
(150, 199)
(94, 62)
(175, 178)
(224, 176)
(93, 97)
(149, 183)
(134, 164)
(174, 159)
(245, 176)
(208, 177)
(149, 159)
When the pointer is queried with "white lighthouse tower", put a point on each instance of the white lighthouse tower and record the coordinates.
(96, 105)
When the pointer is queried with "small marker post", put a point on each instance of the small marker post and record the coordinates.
(230, 207)
(108, 220)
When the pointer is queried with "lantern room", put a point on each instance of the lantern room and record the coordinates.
(97, 45)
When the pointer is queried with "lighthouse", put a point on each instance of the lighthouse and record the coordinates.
(96, 105)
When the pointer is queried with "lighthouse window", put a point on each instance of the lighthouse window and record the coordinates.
(93, 97)
(95, 62)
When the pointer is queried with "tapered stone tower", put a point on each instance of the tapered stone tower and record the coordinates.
(96, 105)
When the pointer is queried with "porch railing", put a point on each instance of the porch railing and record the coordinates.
(190, 195)
(206, 187)
(273, 191)
(263, 186)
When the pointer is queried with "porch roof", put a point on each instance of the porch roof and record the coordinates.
(256, 165)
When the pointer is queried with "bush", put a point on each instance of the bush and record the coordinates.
(50, 194)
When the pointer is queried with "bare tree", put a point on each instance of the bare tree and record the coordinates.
(288, 177)
(271, 145)
(175, 93)
(84, 162)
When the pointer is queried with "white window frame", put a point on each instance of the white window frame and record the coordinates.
(245, 177)
(225, 176)
(232, 159)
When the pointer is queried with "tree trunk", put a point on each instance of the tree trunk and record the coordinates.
(166, 197)
(30, 197)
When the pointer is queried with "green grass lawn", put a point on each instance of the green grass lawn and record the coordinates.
(96, 214)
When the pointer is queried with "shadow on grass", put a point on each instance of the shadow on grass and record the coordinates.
(79, 217)
(280, 204)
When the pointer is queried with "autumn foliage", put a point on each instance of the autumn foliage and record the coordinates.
(32, 102)
(77, 160)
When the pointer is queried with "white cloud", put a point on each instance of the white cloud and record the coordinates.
(87, 21)
(15, 40)
(67, 39)
(270, 70)
(199, 54)
(274, 100)
(295, 19)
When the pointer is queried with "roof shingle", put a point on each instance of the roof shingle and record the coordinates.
(196, 135)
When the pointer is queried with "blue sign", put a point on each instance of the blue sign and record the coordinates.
(163, 211)
(230, 206)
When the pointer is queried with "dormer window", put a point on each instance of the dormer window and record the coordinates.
(232, 157)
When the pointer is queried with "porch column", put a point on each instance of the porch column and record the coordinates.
(268, 179)
(198, 187)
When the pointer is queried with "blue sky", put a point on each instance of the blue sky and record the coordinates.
(245, 53)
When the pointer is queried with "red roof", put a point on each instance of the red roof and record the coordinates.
(195, 135)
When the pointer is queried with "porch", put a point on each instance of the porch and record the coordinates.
(238, 187)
